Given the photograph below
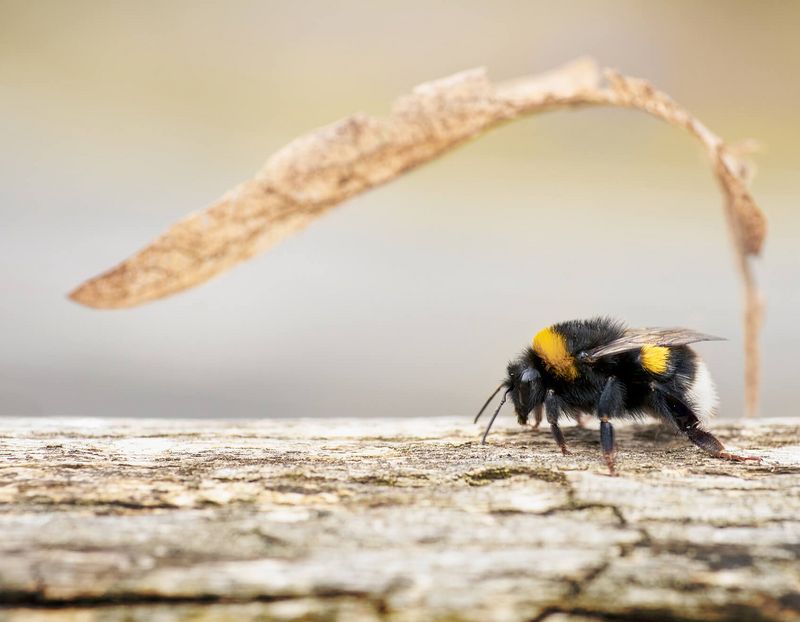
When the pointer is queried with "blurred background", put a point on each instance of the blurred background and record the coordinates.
(118, 118)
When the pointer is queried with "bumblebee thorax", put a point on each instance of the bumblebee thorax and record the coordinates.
(551, 346)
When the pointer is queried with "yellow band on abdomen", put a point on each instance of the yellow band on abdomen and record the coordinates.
(655, 359)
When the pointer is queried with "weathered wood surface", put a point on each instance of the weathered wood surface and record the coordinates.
(392, 519)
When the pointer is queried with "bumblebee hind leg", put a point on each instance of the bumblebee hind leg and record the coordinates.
(687, 422)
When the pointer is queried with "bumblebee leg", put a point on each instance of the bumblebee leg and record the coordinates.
(688, 423)
(580, 421)
(607, 443)
(711, 444)
(537, 416)
(611, 403)
(552, 408)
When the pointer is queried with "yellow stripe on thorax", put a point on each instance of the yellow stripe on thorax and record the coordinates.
(552, 349)
(655, 358)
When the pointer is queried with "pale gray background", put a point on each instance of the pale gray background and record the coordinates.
(117, 118)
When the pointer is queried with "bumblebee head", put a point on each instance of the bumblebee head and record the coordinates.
(524, 385)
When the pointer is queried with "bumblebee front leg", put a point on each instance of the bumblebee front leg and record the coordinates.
(611, 403)
(553, 409)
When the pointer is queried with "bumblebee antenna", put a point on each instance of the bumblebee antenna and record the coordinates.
(494, 416)
(491, 397)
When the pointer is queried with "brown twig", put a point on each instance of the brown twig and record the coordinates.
(324, 168)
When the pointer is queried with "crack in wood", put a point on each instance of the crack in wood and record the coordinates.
(391, 520)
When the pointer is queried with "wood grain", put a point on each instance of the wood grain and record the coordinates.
(392, 520)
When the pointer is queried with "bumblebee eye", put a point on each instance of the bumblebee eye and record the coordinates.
(529, 374)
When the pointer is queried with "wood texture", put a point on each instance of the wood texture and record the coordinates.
(392, 520)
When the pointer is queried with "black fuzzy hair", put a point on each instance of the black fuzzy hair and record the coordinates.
(587, 334)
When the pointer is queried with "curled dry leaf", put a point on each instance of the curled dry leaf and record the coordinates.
(321, 170)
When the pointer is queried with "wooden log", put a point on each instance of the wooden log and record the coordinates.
(397, 520)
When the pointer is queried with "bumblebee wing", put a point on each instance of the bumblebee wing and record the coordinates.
(635, 338)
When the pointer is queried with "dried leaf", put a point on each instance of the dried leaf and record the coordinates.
(320, 170)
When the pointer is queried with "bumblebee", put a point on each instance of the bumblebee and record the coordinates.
(598, 366)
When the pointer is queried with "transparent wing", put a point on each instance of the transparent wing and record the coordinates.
(637, 337)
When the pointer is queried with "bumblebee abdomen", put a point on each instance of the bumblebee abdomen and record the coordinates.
(682, 369)
(655, 359)
(701, 390)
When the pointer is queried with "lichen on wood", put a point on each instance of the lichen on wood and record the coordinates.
(332, 164)
(395, 520)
